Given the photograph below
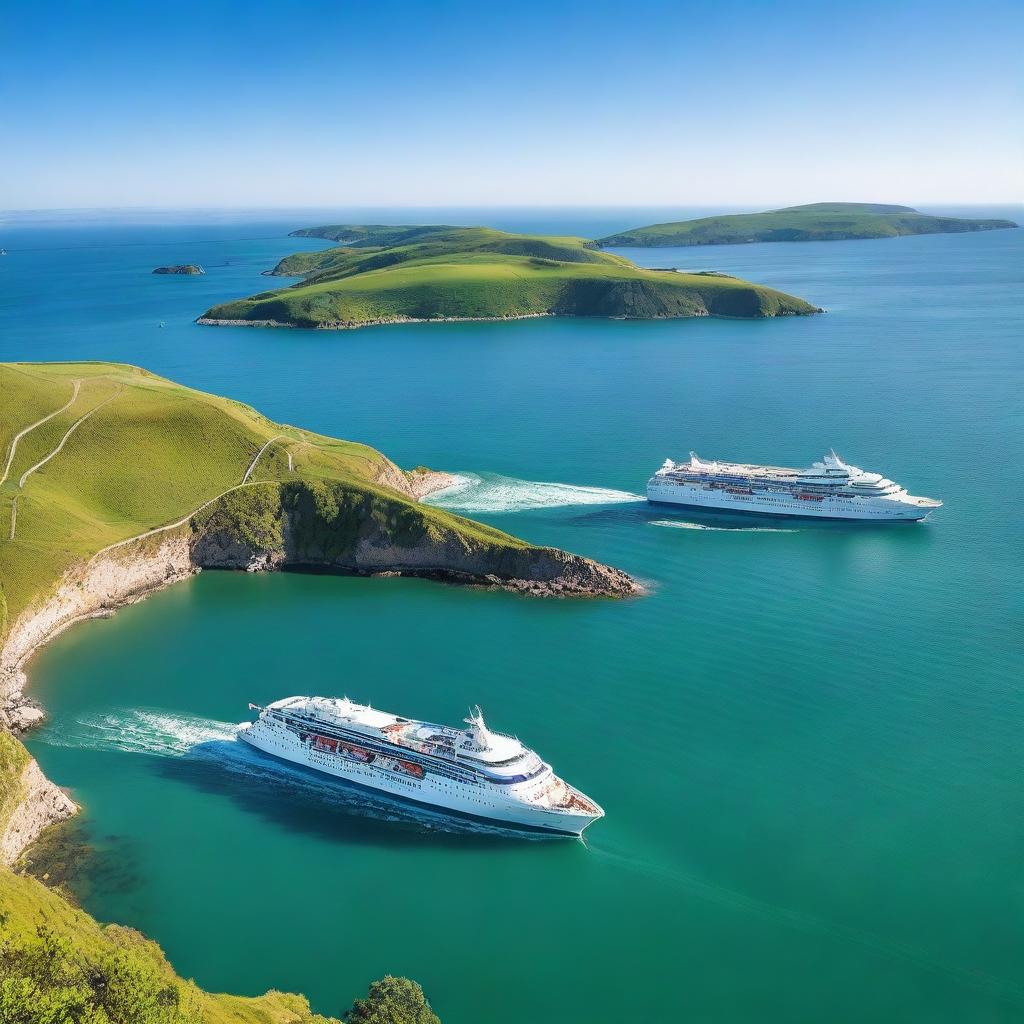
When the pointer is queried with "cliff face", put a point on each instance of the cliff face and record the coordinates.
(40, 805)
(329, 526)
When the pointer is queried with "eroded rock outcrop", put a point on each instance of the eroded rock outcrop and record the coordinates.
(41, 804)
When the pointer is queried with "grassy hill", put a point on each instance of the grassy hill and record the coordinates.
(113, 451)
(389, 274)
(816, 222)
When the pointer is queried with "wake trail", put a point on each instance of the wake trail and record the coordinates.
(682, 524)
(139, 731)
(495, 494)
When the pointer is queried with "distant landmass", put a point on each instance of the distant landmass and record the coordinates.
(383, 274)
(181, 268)
(816, 222)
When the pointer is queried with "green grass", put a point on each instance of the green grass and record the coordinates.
(439, 272)
(13, 760)
(154, 451)
(815, 222)
(60, 966)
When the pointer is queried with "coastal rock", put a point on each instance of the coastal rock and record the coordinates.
(42, 804)
(181, 268)
(19, 715)
(421, 482)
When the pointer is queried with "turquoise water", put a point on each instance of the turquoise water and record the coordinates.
(807, 738)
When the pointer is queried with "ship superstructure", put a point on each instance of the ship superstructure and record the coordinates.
(829, 489)
(472, 771)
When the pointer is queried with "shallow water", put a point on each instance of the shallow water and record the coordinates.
(807, 738)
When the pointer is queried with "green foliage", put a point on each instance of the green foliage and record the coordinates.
(438, 272)
(392, 1001)
(817, 222)
(46, 980)
(59, 966)
(329, 518)
(13, 760)
(252, 516)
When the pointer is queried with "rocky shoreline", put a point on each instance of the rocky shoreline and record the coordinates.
(354, 325)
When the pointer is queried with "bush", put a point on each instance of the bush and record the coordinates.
(43, 980)
(393, 1001)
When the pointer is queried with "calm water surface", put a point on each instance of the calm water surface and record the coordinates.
(807, 739)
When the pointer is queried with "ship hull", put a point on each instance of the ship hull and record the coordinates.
(484, 806)
(784, 507)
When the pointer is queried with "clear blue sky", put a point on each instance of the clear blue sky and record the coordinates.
(252, 103)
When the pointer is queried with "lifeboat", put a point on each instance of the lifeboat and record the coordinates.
(409, 768)
(325, 743)
(356, 753)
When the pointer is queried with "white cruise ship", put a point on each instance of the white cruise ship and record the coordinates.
(470, 772)
(829, 489)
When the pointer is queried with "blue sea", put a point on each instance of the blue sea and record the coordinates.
(807, 738)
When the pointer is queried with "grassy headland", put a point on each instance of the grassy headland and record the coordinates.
(816, 222)
(94, 454)
(392, 274)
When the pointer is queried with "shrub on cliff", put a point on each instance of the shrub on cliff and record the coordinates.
(44, 980)
(328, 518)
(251, 516)
(393, 1001)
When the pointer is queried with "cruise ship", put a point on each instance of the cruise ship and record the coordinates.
(472, 772)
(829, 489)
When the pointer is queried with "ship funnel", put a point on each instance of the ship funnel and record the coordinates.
(478, 730)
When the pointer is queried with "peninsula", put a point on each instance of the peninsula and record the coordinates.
(816, 222)
(181, 268)
(115, 481)
(385, 274)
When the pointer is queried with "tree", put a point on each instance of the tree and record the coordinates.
(393, 1001)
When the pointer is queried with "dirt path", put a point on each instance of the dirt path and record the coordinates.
(38, 423)
(252, 465)
(74, 426)
(171, 526)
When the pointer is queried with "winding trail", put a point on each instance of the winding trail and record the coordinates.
(74, 426)
(14, 516)
(170, 526)
(38, 423)
(252, 465)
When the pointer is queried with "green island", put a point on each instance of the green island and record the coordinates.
(381, 274)
(815, 222)
(181, 268)
(115, 482)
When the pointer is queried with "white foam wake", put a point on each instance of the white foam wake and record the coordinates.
(139, 731)
(491, 493)
(682, 524)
